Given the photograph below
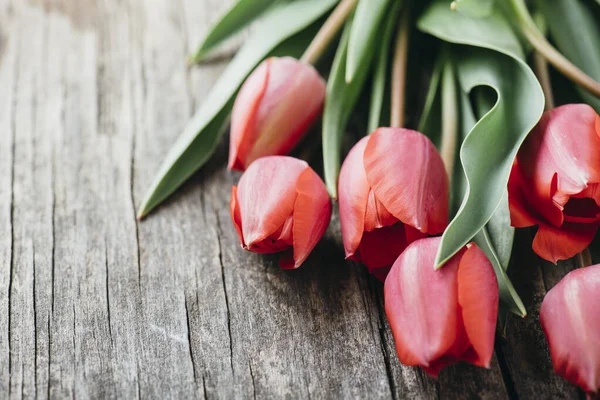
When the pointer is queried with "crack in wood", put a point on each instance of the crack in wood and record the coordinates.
(189, 337)
(108, 294)
(219, 232)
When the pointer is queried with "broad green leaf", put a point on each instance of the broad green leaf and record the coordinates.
(474, 8)
(201, 136)
(381, 69)
(496, 238)
(491, 58)
(576, 33)
(363, 33)
(240, 15)
(339, 103)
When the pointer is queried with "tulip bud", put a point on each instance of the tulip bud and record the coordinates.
(280, 205)
(570, 316)
(393, 189)
(555, 182)
(440, 317)
(273, 110)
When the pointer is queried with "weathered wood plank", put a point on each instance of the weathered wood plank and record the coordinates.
(94, 304)
(525, 348)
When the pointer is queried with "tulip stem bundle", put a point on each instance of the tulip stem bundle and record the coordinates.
(399, 72)
(328, 31)
(541, 44)
(449, 119)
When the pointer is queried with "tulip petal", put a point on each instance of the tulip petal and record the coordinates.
(353, 196)
(380, 248)
(407, 175)
(376, 215)
(478, 299)
(571, 322)
(243, 115)
(562, 243)
(293, 99)
(421, 304)
(266, 195)
(312, 213)
(564, 144)
(520, 215)
(236, 218)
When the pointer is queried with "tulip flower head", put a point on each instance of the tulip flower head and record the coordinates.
(393, 189)
(274, 108)
(440, 317)
(570, 316)
(555, 182)
(280, 205)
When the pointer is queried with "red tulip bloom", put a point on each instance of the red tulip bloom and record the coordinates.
(555, 182)
(280, 205)
(393, 189)
(273, 110)
(570, 316)
(441, 317)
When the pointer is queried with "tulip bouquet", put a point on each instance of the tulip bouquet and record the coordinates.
(429, 206)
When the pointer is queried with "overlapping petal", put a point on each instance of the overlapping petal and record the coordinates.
(280, 205)
(407, 175)
(439, 317)
(274, 109)
(555, 181)
(571, 322)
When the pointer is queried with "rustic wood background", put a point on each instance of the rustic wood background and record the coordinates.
(95, 305)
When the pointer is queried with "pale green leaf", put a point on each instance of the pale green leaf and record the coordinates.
(475, 8)
(381, 69)
(201, 135)
(364, 33)
(576, 32)
(340, 101)
(240, 15)
(492, 58)
(496, 238)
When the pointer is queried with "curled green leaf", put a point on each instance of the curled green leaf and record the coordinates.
(492, 57)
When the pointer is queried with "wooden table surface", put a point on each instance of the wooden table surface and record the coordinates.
(95, 305)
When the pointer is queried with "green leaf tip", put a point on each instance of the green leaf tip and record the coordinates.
(283, 31)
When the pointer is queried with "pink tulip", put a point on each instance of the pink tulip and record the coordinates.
(441, 317)
(570, 316)
(273, 110)
(393, 189)
(555, 182)
(280, 205)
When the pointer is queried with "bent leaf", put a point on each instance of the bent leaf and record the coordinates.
(365, 26)
(576, 33)
(240, 15)
(201, 135)
(492, 58)
(381, 68)
(496, 237)
(339, 102)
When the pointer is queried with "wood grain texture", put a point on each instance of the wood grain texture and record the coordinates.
(96, 305)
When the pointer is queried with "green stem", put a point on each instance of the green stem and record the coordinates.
(328, 31)
(554, 57)
(399, 73)
(449, 118)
